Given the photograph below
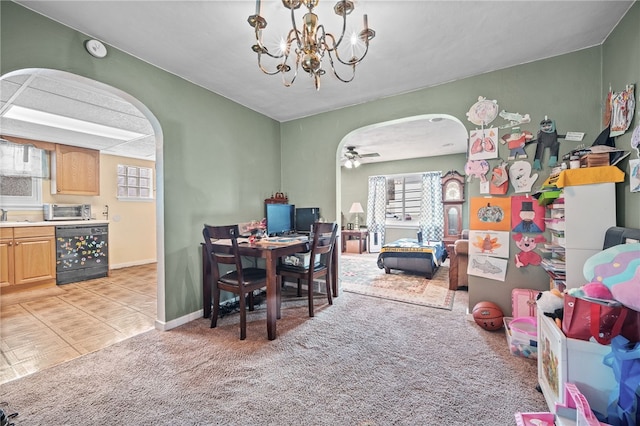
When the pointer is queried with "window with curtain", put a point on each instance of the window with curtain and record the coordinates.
(415, 200)
(22, 168)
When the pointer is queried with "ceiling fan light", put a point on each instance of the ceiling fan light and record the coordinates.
(348, 164)
(356, 163)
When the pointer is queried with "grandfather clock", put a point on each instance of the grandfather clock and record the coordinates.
(452, 200)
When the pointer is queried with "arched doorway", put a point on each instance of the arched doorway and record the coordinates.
(42, 89)
(426, 135)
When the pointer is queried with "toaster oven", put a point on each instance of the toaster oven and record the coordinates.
(67, 211)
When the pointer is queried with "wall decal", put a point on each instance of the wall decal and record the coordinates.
(483, 144)
(520, 176)
(494, 243)
(634, 175)
(526, 214)
(487, 267)
(490, 213)
(477, 169)
(514, 118)
(527, 245)
(516, 141)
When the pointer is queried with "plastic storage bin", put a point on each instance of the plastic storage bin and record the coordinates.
(518, 345)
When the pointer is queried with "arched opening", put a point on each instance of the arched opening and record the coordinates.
(50, 98)
(426, 135)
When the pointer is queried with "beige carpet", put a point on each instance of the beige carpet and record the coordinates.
(360, 274)
(363, 361)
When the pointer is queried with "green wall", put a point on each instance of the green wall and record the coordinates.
(621, 66)
(208, 176)
(211, 162)
(568, 89)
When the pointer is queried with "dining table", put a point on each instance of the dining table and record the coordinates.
(269, 249)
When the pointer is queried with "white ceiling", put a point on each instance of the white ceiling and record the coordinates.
(418, 44)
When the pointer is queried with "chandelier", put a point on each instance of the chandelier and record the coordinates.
(309, 44)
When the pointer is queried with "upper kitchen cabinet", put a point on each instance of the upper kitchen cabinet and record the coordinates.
(75, 171)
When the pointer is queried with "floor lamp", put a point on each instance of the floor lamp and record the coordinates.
(357, 209)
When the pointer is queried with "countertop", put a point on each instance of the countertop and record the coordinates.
(52, 223)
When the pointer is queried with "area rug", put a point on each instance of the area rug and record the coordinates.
(360, 274)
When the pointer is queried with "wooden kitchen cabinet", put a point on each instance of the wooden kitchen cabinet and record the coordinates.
(27, 257)
(6, 257)
(77, 171)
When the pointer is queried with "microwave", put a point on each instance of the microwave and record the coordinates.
(67, 211)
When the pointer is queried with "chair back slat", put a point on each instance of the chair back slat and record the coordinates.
(226, 232)
(324, 238)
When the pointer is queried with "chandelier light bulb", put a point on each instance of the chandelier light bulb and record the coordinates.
(307, 45)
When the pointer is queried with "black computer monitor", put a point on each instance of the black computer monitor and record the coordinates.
(305, 217)
(280, 218)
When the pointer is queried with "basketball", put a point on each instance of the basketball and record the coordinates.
(488, 315)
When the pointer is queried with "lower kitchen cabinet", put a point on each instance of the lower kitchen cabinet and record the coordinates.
(27, 257)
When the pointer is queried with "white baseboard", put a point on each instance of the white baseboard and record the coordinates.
(165, 326)
(134, 263)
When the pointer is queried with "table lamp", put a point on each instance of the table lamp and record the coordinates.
(357, 209)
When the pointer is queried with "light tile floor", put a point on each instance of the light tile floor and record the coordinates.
(42, 328)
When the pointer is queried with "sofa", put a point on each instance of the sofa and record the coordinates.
(458, 261)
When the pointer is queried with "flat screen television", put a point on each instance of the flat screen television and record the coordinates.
(305, 217)
(280, 218)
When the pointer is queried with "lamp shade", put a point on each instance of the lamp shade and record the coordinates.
(356, 208)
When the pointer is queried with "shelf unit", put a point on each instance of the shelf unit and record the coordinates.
(577, 227)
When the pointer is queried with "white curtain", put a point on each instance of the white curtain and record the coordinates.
(377, 205)
(431, 221)
(22, 160)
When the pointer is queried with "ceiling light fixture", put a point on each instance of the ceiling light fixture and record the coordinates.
(53, 120)
(309, 44)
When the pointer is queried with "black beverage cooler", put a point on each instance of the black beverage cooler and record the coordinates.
(81, 252)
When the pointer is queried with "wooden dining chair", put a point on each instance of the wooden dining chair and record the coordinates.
(241, 281)
(323, 243)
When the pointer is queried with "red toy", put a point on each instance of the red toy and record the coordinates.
(488, 315)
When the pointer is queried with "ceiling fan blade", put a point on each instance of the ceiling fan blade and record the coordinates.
(373, 154)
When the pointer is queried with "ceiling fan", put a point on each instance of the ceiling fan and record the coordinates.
(353, 157)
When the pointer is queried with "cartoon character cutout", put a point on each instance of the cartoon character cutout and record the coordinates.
(477, 169)
(547, 138)
(526, 216)
(527, 245)
(520, 176)
(516, 141)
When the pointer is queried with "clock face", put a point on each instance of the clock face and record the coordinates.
(452, 191)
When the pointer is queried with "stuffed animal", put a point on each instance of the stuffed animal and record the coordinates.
(527, 244)
(551, 304)
(594, 290)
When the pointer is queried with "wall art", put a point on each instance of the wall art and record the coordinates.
(490, 214)
(494, 243)
(520, 176)
(526, 214)
(489, 267)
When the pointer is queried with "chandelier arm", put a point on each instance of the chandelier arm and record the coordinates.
(353, 61)
(335, 73)
(294, 30)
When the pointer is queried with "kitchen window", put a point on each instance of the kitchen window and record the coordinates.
(135, 183)
(22, 168)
